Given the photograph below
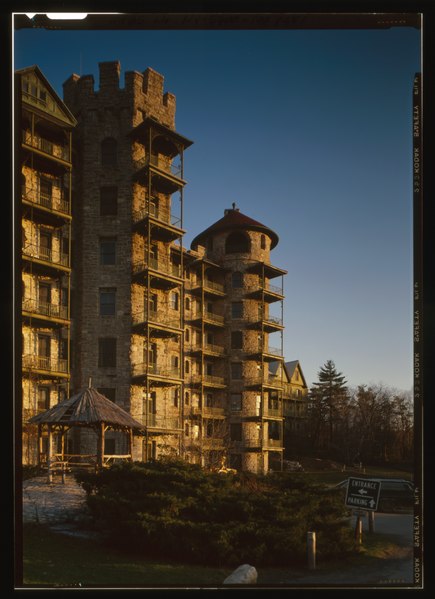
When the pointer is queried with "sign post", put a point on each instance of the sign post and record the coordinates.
(362, 494)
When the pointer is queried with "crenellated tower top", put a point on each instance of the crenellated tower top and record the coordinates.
(143, 92)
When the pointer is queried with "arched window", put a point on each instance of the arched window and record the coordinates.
(263, 242)
(109, 151)
(237, 242)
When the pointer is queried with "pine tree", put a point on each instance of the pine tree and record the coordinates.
(327, 396)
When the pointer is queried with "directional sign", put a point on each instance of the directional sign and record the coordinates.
(363, 493)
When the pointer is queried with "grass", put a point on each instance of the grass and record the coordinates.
(77, 562)
(333, 477)
(52, 559)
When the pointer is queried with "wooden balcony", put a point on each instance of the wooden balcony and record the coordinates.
(47, 365)
(46, 257)
(44, 310)
(53, 206)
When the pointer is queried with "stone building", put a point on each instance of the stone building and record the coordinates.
(189, 341)
(44, 196)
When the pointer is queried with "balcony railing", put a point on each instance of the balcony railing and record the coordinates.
(217, 318)
(157, 317)
(46, 254)
(50, 201)
(275, 351)
(273, 319)
(273, 381)
(158, 265)
(214, 286)
(160, 421)
(154, 369)
(163, 165)
(46, 363)
(273, 443)
(165, 216)
(46, 146)
(45, 308)
(213, 411)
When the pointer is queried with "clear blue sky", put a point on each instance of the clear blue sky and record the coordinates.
(309, 132)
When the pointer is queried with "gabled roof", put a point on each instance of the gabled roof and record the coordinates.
(290, 368)
(235, 220)
(87, 408)
(63, 111)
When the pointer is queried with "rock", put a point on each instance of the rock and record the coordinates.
(244, 574)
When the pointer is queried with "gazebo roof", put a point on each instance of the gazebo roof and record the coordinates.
(87, 408)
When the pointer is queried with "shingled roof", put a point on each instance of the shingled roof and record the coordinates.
(87, 408)
(234, 220)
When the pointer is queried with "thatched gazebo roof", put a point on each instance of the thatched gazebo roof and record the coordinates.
(87, 408)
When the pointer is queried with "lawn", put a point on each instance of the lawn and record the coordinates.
(56, 560)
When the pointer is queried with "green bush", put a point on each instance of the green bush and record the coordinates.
(175, 510)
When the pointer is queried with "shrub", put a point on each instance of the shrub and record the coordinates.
(178, 511)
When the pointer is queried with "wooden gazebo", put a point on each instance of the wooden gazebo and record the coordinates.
(89, 409)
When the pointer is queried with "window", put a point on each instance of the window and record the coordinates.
(109, 392)
(208, 367)
(44, 346)
(174, 300)
(237, 279)
(236, 370)
(44, 296)
(45, 244)
(187, 366)
(109, 150)
(108, 201)
(187, 335)
(187, 303)
(107, 351)
(107, 251)
(236, 340)
(152, 354)
(107, 301)
(236, 309)
(174, 361)
(209, 400)
(209, 429)
(43, 398)
(45, 191)
(187, 398)
(236, 431)
(236, 402)
(175, 396)
(186, 429)
(263, 242)
(237, 242)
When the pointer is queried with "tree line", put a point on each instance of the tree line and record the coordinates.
(363, 424)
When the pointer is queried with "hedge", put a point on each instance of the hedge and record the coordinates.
(178, 511)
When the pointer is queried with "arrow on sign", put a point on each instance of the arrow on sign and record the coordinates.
(362, 492)
(372, 503)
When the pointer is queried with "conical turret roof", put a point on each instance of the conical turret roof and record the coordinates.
(232, 220)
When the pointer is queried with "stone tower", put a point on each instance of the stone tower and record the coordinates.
(127, 252)
(235, 252)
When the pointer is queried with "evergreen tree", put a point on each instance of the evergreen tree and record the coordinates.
(328, 402)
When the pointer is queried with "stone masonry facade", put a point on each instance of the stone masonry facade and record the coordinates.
(189, 341)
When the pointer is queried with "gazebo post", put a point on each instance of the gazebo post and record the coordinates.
(100, 447)
(39, 445)
(130, 443)
(49, 455)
